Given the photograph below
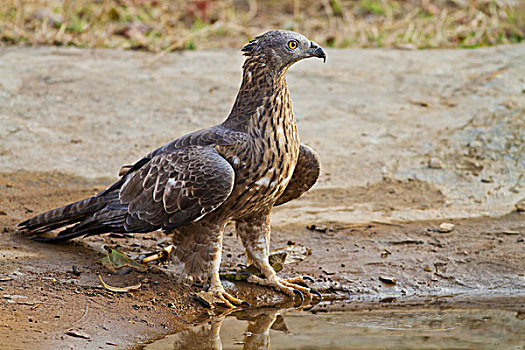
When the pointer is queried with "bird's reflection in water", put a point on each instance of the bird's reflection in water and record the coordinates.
(380, 328)
(256, 335)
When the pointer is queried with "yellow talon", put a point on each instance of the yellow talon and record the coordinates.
(219, 298)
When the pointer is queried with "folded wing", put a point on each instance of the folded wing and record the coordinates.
(165, 191)
(176, 188)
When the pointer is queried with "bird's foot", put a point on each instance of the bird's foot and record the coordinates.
(293, 287)
(159, 257)
(300, 280)
(218, 297)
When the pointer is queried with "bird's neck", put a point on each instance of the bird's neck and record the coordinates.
(263, 95)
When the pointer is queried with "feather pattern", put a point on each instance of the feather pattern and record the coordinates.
(176, 188)
(194, 185)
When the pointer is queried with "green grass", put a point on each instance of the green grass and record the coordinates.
(166, 25)
(372, 6)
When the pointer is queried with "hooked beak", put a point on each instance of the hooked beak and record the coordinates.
(316, 51)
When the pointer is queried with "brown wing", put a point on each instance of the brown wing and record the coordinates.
(304, 176)
(173, 185)
(176, 188)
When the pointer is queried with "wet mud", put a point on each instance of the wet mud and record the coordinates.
(401, 328)
(411, 142)
(51, 294)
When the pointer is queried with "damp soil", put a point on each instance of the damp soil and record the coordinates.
(408, 140)
(395, 328)
(52, 297)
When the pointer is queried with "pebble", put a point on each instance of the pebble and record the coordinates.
(388, 280)
(446, 227)
(78, 334)
(435, 163)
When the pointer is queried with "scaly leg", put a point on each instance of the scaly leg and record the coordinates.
(198, 250)
(255, 235)
(218, 294)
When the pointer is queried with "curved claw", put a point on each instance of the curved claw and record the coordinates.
(203, 302)
(301, 300)
(316, 292)
(300, 294)
(246, 304)
(308, 278)
(218, 298)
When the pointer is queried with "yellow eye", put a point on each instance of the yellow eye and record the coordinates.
(292, 44)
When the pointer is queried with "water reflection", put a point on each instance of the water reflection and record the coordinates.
(254, 334)
(368, 329)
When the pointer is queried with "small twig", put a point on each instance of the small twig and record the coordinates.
(86, 309)
(19, 14)
(386, 223)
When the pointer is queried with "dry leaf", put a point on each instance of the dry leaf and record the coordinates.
(294, 253)
(279, 257)
(118, 289)
(116, 259)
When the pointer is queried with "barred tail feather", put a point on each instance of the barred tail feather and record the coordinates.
(67, 215)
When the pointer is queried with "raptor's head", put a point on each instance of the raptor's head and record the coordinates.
(279, 49)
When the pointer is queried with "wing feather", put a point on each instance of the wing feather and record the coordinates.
(176, 188)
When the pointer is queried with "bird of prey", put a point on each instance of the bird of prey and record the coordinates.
(196, 184)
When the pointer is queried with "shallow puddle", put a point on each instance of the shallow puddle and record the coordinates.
(369, 329)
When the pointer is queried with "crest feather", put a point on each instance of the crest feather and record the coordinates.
(249, 49)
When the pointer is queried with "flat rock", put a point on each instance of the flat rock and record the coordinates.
(374, 116)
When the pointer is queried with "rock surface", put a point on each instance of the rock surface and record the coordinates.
(375, 117)
(69, 119)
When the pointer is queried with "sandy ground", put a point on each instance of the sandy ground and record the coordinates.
(70, 118)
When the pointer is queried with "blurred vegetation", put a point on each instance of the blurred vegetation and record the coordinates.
(166, 25)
